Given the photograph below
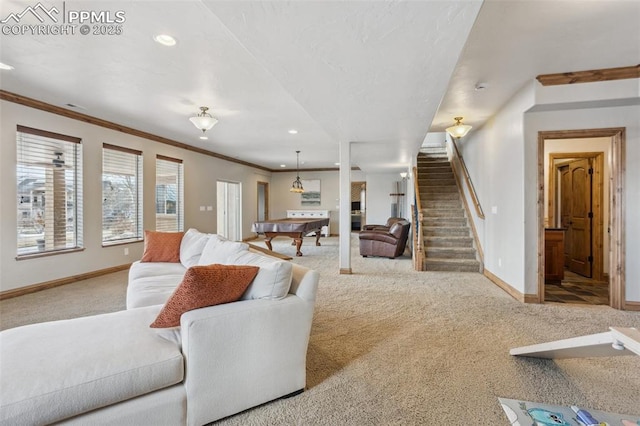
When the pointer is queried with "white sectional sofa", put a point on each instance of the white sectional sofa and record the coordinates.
(115, 369)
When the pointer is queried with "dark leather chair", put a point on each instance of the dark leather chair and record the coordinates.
(385, 243)
(385, 227)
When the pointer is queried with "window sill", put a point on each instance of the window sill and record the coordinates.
(48, 253)
(122, 242)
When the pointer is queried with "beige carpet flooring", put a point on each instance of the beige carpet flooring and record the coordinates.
(391, 346)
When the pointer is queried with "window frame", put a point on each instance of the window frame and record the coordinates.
(179, 195)
(138, 197)
(50, 244)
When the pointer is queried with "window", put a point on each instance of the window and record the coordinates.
(121, 195)
(169, 194)
(49, 190)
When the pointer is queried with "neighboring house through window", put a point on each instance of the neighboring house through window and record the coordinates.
(49, 191)
(121, 195)
(169, 194)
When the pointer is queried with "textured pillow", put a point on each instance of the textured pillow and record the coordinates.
(274, 277)
(219, 249)
(191, 247)
(205, 286)
(161, 246)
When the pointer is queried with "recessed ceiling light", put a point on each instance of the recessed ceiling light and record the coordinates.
(5, 66)
(337, 164)
(204, 138)
(283, 165)
(293, 131)
(165, 39)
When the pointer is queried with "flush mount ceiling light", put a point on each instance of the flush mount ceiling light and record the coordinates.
(293, 131)
(165, 40)
(4, 66)
(296, 186)
(458, 130)
(203, 121)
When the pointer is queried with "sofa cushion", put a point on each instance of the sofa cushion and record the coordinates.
(191, 247)
(205, 286)
(273, 279)
(218, 250)
(154, 269)
(59, 369)
(161, 246)
(148, 291)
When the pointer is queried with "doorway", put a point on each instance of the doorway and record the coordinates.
(605, 235)
(229, 218)
(263, 201)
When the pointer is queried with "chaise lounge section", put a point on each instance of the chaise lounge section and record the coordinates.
(115, 369)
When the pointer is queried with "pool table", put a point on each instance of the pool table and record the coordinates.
(295, 228)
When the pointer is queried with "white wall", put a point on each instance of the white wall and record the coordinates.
(379, 186)
(495, 160)
(200, 171)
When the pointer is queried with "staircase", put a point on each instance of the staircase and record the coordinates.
(448, 242)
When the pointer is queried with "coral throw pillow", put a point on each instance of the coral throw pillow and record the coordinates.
(205, 286)
(161, 246)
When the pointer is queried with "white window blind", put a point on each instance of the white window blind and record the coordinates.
(49, 191)
(169, 194)
(121, 194)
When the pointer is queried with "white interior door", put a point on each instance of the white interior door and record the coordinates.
(229, 210)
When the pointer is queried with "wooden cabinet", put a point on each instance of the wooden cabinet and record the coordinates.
(553, 255)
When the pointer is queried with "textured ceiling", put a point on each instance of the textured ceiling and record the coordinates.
(377, 73)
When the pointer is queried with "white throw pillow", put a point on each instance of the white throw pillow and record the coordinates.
(218, 250)
(191, 247)
(274, 277)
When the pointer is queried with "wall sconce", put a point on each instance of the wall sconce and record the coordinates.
(458, 130)
(403, 175)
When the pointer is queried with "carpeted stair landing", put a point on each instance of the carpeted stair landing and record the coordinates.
(446, 233)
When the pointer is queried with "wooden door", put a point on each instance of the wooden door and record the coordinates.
(565, 210)
(578, 189)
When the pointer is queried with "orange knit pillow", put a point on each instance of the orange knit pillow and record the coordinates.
(162, 246)
(205, 286)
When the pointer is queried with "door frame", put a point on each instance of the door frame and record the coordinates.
(617, 257)
(597, 223)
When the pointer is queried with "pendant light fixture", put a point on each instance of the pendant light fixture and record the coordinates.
(297, 185)
(458, 130)
(204, 121)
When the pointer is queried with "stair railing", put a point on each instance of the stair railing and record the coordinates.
(417, 217)
(467, 178)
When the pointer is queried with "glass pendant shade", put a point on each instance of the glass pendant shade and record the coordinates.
(458, 130)
(203, 121)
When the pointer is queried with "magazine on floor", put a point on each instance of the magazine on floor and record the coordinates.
(527, 413)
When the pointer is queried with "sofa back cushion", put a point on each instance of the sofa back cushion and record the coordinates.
(162, 246)
(205, 286)
(274, 277)
(192, 246)
(218, 249)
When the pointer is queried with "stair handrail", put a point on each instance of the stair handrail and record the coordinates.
(418, 241)
(467, 178)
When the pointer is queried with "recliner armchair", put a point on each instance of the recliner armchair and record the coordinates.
(385, 227)
(385, 243)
